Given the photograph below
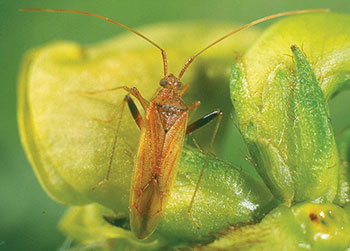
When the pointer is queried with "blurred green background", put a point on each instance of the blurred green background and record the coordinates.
(28, 217)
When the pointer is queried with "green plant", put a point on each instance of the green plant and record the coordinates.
(280, 98)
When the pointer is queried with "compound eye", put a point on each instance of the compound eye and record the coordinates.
(163, 82)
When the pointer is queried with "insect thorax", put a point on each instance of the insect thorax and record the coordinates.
(170, 107)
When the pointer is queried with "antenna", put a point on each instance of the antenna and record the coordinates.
(191, 59)
(165, 62)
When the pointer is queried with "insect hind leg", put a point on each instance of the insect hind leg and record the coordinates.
(191, 128)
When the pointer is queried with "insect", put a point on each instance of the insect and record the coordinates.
(163, 130)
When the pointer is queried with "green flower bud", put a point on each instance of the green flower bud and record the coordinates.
(343, 143)
(281, 104)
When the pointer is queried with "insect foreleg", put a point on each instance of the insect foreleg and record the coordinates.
(133, 91)
(193, 107)
(184, 89)
(139, 121)
(113, 146)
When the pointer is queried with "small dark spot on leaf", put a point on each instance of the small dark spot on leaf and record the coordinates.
(313, 217)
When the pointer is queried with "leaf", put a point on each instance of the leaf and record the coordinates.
(226, 196)
(87, 226)
(304, 226)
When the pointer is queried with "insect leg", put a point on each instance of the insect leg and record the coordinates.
(133, 91)
(134, 111)
(113, 148)
(203, 121)
(107, 121)
(193, 107)
(138, 119)
(184, 89)
(192, 127)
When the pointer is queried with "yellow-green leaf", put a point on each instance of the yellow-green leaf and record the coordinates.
(304, 226)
